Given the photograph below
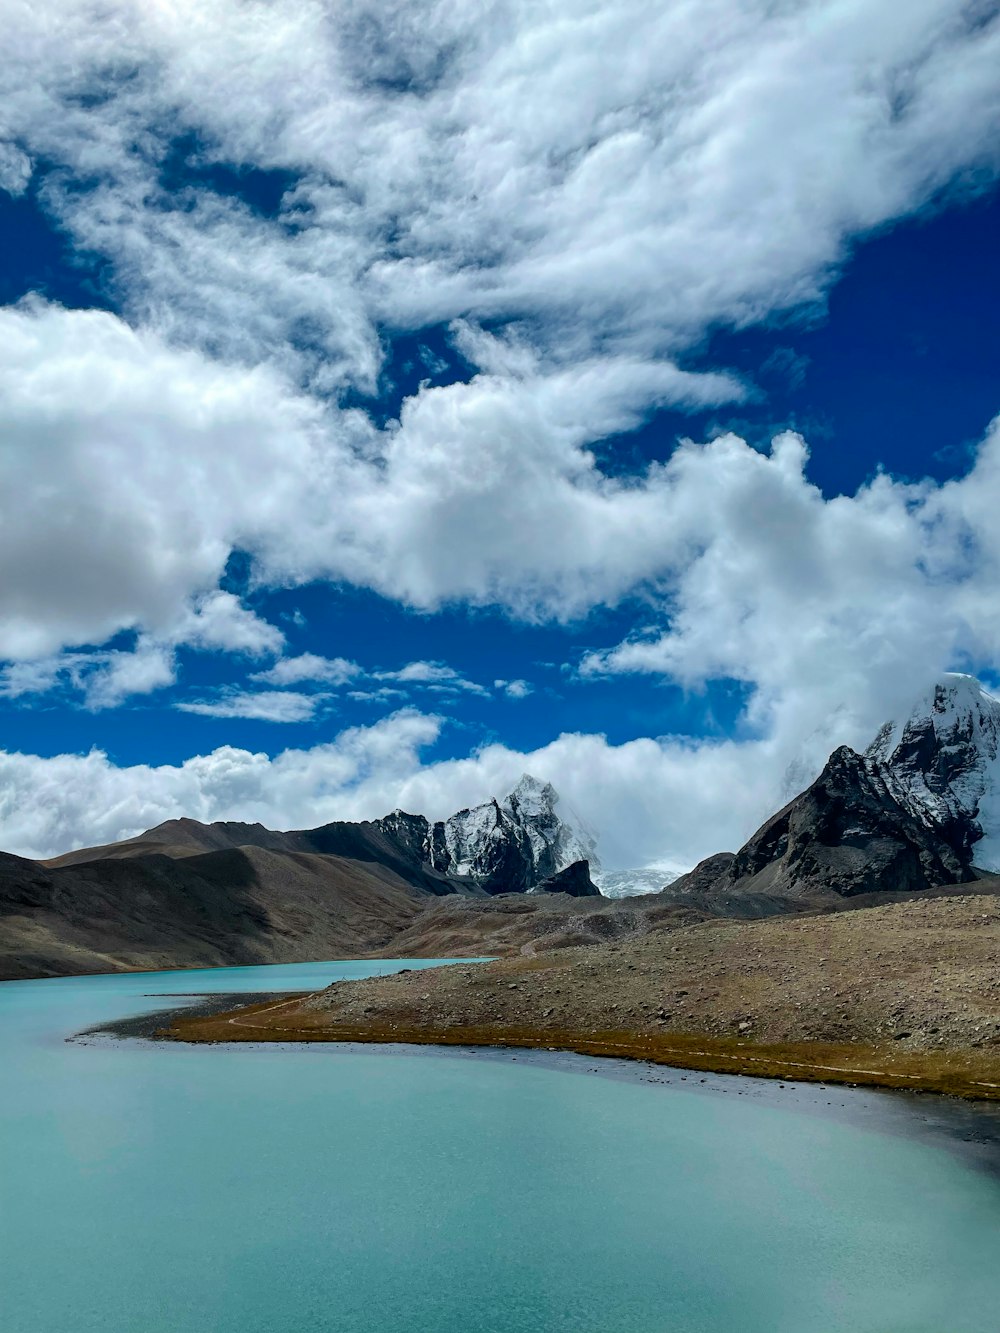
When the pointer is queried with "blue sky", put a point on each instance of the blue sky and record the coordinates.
(388, 402)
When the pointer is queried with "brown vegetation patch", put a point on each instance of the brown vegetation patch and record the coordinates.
(958, 1073)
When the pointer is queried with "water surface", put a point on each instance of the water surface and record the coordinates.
(170, 1189)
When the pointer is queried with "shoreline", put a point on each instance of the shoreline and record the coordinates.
(949, 1073)
(965, 1126)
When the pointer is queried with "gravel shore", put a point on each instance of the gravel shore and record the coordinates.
(905, 995)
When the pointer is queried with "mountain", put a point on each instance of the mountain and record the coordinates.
(572, 879)
(845, 835)
(506, 846)
(919, 809)
(510, 846)
(206, 909)
(187, 894)
(942, 762)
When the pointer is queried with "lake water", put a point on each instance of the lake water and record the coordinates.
(170, 1189)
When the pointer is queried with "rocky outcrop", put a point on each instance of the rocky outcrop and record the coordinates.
(847, 835)
(919, 809)
(574, 879)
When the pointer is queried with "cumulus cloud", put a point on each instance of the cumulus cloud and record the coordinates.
(620, 173)
(129, 472)
(826, 609)
(602, 184)
(48, 805)
(15, 169)
(116, 676)
(513, 689)
(309, 667)
(669, 800)
(219, 621)
(641, 796)
(103, 679)
(150, 465)
(599, 185)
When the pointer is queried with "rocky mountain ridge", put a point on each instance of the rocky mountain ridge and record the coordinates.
(919, 809)
(502, 846)
(188, 894)
(506, 846)
(912, 816)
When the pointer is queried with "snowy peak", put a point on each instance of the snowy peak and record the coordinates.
(941, 763)
(955, 714)
(511, 845)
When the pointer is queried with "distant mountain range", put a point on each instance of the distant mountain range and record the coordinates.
(188, 894)
(917, 813)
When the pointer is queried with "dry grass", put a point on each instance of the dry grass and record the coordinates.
(958, 1073)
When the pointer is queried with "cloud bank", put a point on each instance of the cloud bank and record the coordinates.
(570, 197)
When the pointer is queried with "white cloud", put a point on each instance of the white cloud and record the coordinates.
(621, 173)
(49, 805)
(309, 667)
(514, 689)
(641, 796)
(613, 178)
(15, 169)
(129, 472)
(262, 705)
(434, 676)
(219, 621)
(24, 678)
(104, 679)
(670, 801)
(116, 676)
(833, 612)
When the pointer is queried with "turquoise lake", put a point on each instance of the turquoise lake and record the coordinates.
(158, 1188)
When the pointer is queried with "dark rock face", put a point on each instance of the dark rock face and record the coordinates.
(705, 874)
(846, 835)
(492, 848)
(507, 846)
(574, 879)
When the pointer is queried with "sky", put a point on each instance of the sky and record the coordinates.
(396, 398)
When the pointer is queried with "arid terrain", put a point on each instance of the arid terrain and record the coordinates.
(904, 995)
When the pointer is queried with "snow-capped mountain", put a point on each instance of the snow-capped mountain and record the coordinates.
(506, 846)
(941, 763)
(511, 845)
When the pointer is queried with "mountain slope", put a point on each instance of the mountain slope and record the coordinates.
(512, 845)
(506, 846)
(209, 909)
(186, 894)
(845, 835)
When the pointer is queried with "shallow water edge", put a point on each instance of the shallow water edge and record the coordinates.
(965, 1127)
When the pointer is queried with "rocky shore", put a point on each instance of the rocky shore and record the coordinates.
(902, 995)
